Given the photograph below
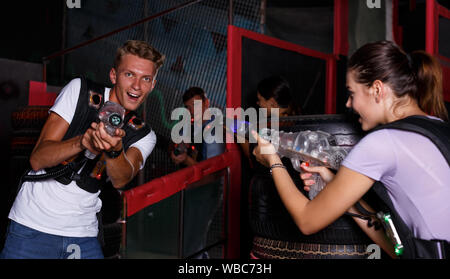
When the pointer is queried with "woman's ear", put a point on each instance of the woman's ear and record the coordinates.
(378, 90)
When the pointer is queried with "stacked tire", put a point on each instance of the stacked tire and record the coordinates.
(276, 234)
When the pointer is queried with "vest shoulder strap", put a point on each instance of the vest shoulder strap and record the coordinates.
(439, 133)
(135, 129)
(90, 100)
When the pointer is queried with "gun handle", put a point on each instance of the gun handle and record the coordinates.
(318, 185)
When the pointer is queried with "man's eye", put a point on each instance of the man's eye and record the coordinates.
(147, 79)
(128, 74)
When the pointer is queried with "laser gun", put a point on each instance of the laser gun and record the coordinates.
(112, 115)
(317, 148)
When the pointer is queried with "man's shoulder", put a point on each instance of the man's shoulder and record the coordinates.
(74, 84)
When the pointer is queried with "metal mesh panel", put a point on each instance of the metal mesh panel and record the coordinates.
(192, 38)
(194, 41)
(189, 224)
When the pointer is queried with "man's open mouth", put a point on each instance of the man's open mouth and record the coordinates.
(133, 96)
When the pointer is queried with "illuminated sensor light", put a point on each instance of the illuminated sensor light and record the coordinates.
(398, 249)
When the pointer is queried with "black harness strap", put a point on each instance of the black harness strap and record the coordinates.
(90, 100)
(439, 133)
(435, 130)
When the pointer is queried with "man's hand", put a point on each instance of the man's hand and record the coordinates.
(183, 159)
(178, 159)
(102, 141)
(86, 141)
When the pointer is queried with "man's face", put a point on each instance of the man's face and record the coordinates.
(133, 79)
(189, 104)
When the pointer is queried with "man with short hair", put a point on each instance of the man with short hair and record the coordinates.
(57, 217)
(201, 203)
(203, 150)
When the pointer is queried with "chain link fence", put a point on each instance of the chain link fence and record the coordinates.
(193, 38)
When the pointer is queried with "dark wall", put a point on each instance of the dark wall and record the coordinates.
(16, 74)
(30, 29)
(306, 75)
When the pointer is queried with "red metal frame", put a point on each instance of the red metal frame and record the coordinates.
(341, 27)
(397, 30)
(433, 11)
(38, 95)
(234, 72)
(161, 188)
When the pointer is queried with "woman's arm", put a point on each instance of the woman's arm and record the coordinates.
(339, 196)
(332, 202)
(346, 188)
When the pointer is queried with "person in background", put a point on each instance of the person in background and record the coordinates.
(201, 203)
(203, 150)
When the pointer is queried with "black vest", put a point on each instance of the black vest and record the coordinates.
(439, 133)
(90, 100)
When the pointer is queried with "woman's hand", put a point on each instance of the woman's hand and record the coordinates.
(265, 152)
(308, 171)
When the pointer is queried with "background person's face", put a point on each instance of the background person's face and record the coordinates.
(197, 115)
(267, 104)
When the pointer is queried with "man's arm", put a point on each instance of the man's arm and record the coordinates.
(50, 150)
(122, 169)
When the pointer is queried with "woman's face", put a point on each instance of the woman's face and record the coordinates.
(267, 104)
(363, 102)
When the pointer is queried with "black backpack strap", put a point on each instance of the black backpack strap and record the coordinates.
(90, 100)
(435, 130)
(135, 129)
(386, 206)
(439, 133)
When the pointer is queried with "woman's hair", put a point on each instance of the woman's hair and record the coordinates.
(276, 87)
(141, 49)
(417, 75)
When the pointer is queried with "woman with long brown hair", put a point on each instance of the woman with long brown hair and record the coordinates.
(385, 85)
